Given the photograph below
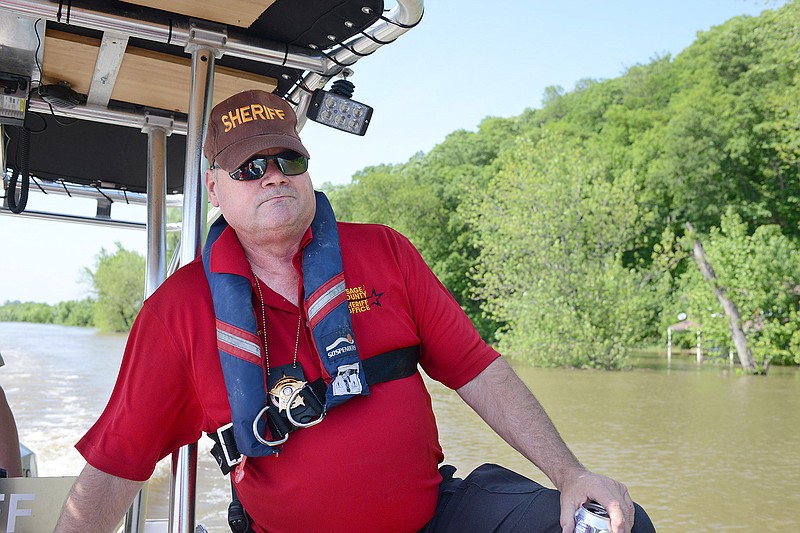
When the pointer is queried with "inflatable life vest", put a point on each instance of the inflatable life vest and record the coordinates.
(328, 315)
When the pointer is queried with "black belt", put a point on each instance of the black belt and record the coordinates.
(388, 366)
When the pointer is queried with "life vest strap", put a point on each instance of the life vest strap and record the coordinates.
(388, 366)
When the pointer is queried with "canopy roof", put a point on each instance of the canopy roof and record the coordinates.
(128, 61)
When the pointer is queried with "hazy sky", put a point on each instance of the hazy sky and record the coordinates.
(466, 60)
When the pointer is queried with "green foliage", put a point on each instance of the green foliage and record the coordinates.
(760, 272)
(75, 313)
(70, 313)
(26, 312)
(423, 199)
(118, 283)
(552, 231)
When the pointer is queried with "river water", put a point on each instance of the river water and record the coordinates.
(701, 448)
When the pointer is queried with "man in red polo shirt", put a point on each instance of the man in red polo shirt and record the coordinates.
(251, 305)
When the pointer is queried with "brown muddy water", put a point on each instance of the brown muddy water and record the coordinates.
(701, 448)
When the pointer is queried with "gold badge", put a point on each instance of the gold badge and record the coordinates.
(283, 390)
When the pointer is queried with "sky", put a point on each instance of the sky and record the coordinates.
(467, 60)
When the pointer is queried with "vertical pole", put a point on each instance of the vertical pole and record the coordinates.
(699, 349)
(669, 346)
(157, 130)
(194, 204)
(184, 461)
(155, 270)
(182, 489)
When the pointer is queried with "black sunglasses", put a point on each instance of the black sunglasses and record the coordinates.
(290, 163)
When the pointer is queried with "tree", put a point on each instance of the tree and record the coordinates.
(553, 231)
(118, 283)
(728, 305)
(75, 313)
(761, 274)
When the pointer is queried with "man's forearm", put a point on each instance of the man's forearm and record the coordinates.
(505, 403)
(96, 503)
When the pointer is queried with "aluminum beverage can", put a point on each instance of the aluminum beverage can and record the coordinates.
(592, 517)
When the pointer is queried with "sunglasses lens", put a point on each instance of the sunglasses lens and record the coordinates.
(290, 163)
(293, 166)
(252, 170)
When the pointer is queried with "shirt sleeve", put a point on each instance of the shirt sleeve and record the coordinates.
(153, 408)
(452, 350)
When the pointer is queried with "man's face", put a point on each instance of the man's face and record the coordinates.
(271, 206)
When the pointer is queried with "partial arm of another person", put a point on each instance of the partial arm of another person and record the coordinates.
(505, 403)
(97, 502)
(9, 440)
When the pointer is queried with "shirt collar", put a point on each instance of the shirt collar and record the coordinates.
(227, 257)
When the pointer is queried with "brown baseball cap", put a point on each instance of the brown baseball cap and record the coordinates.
(247, 123)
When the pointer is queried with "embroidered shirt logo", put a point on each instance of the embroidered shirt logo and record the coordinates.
(336, 348)
(360, 301)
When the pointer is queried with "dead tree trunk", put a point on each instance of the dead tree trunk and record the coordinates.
(734, 318)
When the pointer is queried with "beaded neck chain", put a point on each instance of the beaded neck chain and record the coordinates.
(264, 326)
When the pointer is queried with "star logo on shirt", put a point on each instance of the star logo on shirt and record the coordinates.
(375, 298)
(361, 301)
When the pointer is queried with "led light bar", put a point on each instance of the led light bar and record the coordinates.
(339, 112)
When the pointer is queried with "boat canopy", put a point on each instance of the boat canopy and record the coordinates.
(94, 72)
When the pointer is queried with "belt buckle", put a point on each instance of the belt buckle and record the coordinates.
(231, 462)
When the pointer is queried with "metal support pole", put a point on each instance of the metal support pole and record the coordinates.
(157, 130)
(182, 489)
(205, 46)
(194, 201)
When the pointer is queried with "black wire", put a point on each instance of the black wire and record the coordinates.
(44, 122)
(299, 82)
(378, 41)
(101, 192)
(64, 184)
(337, 61)
(52, 112)
(169, 36)
(399, 25)
(36, 53)
(38, 185)
(60, 7)
(353, 50)
(21, 170)
(38, 66)
(39, 81)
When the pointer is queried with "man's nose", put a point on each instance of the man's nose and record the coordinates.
(273, 175)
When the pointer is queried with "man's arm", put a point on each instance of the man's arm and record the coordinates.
(9, 440)
(96, 503)
(506, 404)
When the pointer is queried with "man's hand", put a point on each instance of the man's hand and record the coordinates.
(506, 404)
(612, 495)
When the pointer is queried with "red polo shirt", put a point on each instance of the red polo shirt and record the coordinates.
(371, 465)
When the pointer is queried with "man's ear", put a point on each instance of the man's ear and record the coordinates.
(211, 186)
